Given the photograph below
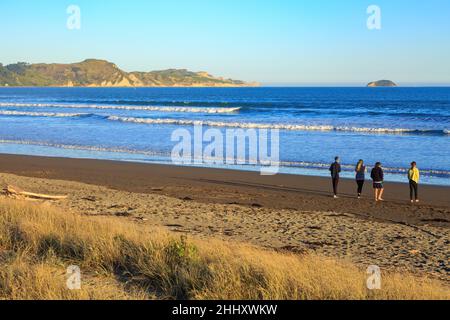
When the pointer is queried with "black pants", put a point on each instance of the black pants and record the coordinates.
(360, 186)
(335, 185)
(413, 190)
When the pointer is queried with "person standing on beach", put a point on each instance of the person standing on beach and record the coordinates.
(414, 176)
(335, 170)
(360, 176)
(377, 176)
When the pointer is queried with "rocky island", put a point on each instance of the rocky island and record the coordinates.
(382, 83)
(101, 73)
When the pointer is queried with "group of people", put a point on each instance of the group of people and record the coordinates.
(377, 176)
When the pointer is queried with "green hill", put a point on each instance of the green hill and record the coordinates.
(101, 73)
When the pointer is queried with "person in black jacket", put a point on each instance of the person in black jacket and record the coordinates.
(335, 170)
(377, 176)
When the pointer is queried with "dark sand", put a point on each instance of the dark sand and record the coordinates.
(242, 188)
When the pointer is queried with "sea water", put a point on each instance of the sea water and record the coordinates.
(391, 125)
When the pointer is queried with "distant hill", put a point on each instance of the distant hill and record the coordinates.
(382, 83)
(101, 73)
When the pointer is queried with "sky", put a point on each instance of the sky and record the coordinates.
(270, 41)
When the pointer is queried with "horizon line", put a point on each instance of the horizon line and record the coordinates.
(351, 84)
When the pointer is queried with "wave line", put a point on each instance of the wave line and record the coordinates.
(289, 127)
(42, 114)
(131, 108)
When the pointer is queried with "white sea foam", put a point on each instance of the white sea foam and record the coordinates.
(244, 125)
(250, 125)
(299, 164)
(41, 114)
(81, 148)
(131, 108)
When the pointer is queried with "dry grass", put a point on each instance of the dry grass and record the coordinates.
(123, 260)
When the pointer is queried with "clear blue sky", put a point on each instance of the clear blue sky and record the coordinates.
(273, 41)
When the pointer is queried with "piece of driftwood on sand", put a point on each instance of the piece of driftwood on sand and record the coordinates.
(13, 191)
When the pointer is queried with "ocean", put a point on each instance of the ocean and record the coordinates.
(391, 125)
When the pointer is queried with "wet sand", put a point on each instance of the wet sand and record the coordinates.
(238, 187)
(282, 212)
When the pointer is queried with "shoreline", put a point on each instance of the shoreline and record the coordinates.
(225, 186)
(260, 86)
(133, 87)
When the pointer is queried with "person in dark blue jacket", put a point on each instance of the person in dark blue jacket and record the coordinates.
(335, 170)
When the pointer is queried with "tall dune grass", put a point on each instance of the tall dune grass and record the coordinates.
(120, 259)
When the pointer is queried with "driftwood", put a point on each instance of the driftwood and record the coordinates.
(18, 193)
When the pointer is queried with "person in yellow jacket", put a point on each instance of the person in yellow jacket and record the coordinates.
(414, 177)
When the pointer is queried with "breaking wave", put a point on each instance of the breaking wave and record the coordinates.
(42, 114)
(131, 108)
(289, 127)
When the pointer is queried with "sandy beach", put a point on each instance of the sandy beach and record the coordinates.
(283, 212)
